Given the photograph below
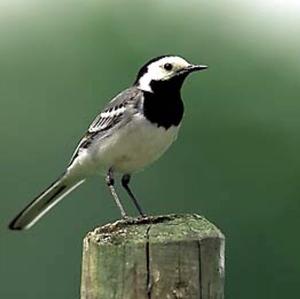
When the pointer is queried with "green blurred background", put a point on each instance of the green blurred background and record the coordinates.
(236, 160)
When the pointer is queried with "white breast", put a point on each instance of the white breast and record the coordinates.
(130, 148)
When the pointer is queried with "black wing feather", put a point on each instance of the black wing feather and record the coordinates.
(110, 116)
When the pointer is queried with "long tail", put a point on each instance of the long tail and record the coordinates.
(44, 202)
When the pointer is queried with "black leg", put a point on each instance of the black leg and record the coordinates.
(125, 184)
(110, 183)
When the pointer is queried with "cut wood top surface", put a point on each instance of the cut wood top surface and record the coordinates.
(168, 228)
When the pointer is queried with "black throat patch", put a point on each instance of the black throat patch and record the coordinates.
(164, 107)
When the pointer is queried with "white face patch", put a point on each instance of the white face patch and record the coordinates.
(157, 71)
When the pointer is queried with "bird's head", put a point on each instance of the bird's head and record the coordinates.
(165, 72)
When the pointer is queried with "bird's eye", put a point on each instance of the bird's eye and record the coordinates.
(168, 66)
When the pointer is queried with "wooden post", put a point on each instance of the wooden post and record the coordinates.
(163, 257)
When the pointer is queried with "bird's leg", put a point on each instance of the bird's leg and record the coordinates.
(110, 183)
(125, 184)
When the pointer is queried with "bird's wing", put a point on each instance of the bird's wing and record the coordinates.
(117, 111)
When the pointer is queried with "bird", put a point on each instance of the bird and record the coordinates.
(132, 131)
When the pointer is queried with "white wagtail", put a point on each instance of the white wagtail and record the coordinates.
(133, 130)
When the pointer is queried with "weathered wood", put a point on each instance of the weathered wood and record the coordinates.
(172, 257)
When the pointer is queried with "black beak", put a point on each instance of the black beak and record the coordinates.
(191, 68)
(196, 67)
